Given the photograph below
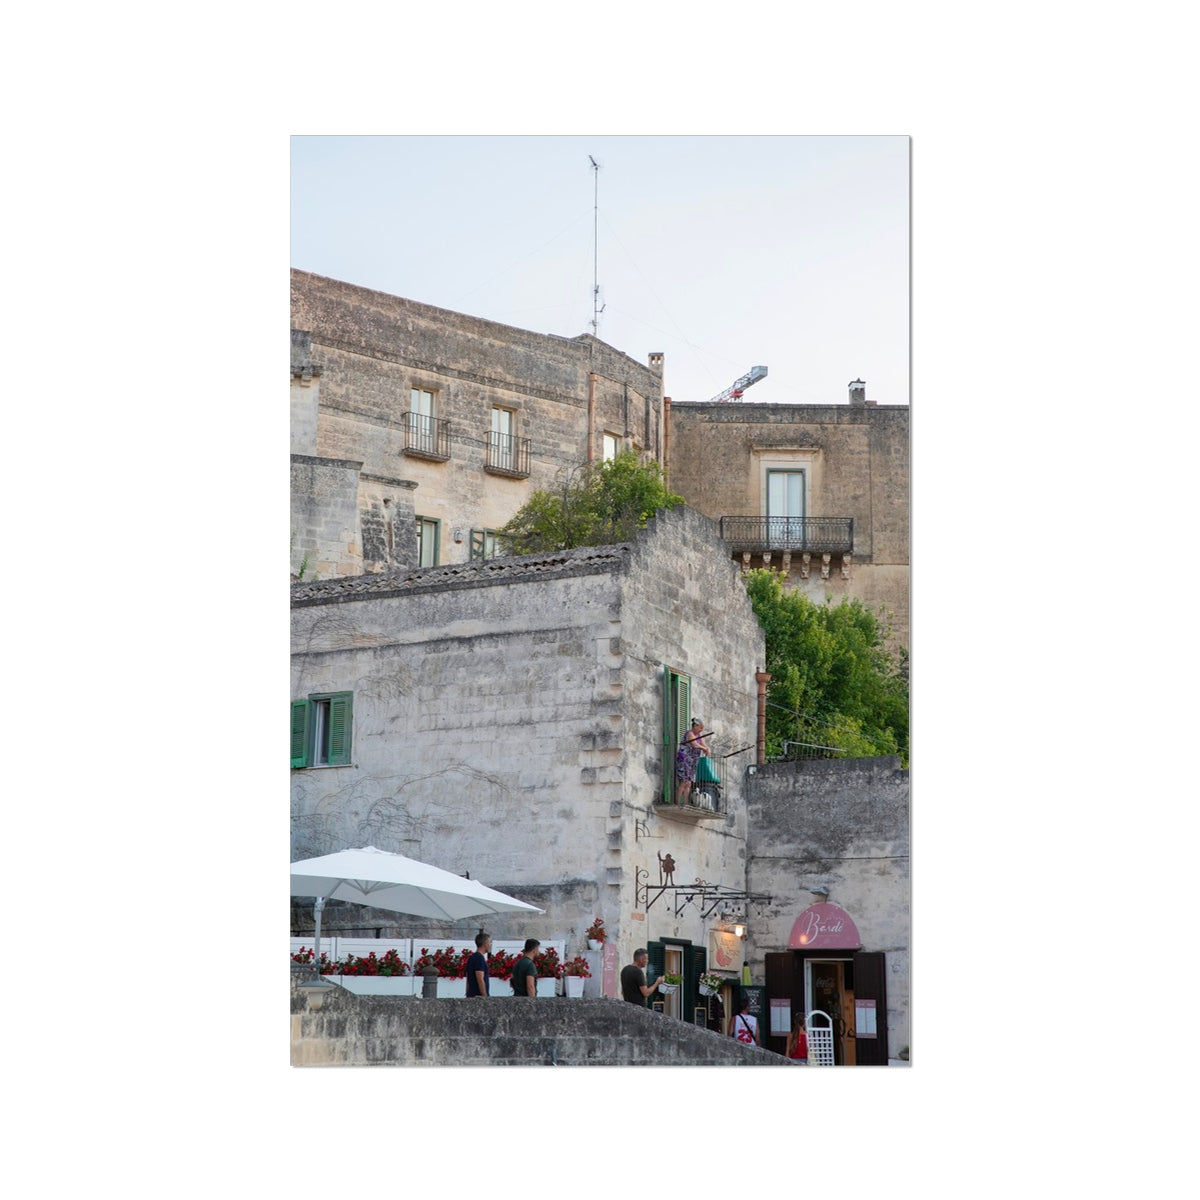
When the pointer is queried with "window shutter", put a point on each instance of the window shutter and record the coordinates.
(695, 960)
(870, 983)
(477, 544)
(299, 733)
(655, 967)
(683, 707)
(340, 710)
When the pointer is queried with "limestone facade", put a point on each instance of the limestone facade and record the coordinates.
(508, 412)
(853, 461)
(508, 719)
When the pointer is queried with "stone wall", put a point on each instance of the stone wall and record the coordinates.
(508, 722)
(351, 1030)
(844, 825)
(372, 349)
(857, 459)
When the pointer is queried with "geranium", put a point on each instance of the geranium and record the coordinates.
(577, 966)
(500, 965)
(676, 980)
(450, 964)
(390, 964)
(711, 981)
(547, 964)
(305, 956)
(595, 931)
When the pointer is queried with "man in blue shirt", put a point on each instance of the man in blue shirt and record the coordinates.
(477, 965)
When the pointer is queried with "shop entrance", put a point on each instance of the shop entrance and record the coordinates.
(849, 987)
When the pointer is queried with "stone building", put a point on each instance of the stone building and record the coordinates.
(409, 419)
(518, 718)
(819, 491)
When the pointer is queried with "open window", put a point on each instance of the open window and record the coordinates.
(321, 727)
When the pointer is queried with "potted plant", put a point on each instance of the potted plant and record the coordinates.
(575, 971)
(549, 971)
(500, 969)
(670, 983)
(451, 966)
(595, 934)
(710, 984)
(374, 976)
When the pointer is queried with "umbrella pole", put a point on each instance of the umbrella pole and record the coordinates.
(317, 939)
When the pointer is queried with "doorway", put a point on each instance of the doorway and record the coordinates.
(829, 986)
(673, 965)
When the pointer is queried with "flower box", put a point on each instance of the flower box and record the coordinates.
(451, 989)
(547, 986)
(575, 986)
(595, 945)
(378, 985)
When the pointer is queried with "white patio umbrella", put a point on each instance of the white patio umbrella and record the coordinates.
(384, 880)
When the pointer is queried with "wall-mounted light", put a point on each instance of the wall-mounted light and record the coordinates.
(739, 930)
(820, 891)
(458, 537)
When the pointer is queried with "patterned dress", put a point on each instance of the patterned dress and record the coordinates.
(686, 759)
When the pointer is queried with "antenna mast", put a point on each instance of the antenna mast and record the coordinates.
(597, 307)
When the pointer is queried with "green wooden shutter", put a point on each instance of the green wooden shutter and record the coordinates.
(478, 542)
(695, 959)
(299, 733)
(341, 705)
(655, 968)
(683, 707)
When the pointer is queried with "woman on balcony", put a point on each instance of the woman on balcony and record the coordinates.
(691, 749)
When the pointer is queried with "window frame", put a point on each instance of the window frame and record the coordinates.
(436, 525)
(319, 712)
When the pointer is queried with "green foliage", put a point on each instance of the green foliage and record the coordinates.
(833, 681)
(593, 505)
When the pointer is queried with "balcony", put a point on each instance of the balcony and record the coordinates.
(808, 535)
(508, 455)
(706, 799)
(427, 437)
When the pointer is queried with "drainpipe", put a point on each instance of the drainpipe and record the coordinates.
(591, 445)
(666, 434)
(762, 679)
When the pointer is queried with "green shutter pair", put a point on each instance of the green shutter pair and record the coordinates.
(341, 709)
(677, 720)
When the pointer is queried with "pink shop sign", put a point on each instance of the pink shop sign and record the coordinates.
(824, 927)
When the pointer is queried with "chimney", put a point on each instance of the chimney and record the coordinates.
(656, 361)
(858, 392)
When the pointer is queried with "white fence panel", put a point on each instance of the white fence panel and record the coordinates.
(820, 1040)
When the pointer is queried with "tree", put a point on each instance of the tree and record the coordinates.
(833, 680)
(595, 504)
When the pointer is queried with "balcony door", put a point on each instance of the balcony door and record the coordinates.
(786, 504)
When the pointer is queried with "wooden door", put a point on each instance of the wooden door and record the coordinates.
(870, 990)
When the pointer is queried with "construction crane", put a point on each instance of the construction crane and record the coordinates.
(734, 390)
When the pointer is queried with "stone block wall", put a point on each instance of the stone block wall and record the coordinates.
(372, 349)
(843, 824)
(351, 1030)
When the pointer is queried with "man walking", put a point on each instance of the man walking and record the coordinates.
(524, 976)
(477, 966)
(633, 980)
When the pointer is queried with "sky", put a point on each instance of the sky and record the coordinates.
(723, 252)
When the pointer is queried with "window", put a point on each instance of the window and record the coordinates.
(786, 503)
(611, 447)
(502, 438)
(424, 434)
(485, 544)
(429, 536)
(677, 720)
(321, 730)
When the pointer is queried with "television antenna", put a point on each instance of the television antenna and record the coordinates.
(597, 307)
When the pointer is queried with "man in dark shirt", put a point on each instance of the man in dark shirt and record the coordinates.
(524, 976)
(633, 980)
(477, 966)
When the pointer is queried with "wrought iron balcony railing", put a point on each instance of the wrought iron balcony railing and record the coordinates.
(508, 455)
(427, 437)
(820, 535)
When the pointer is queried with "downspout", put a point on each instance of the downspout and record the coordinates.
(666, 434)
(762, 679)
(591, 416)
